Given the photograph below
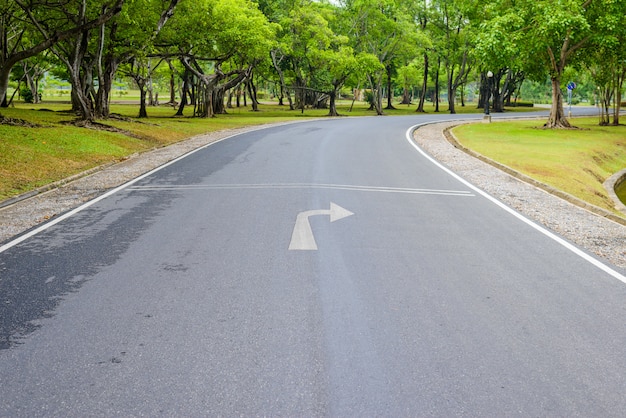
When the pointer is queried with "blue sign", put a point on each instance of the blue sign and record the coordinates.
(571, 85)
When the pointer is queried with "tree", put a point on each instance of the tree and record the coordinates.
(607, 52)
(455, 33)
(29, 28)
(408, 77)
(31, 71)
(498, 50)
(548, 35)
(305, 36)
(235, 36)
(383, 29)
(129, 36)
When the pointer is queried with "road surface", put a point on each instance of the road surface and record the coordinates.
(324, 268)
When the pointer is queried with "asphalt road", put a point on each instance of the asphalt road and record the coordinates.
(199, 291)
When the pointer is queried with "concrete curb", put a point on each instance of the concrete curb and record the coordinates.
(611, 184)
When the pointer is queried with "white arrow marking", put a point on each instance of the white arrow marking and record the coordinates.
(302, 237)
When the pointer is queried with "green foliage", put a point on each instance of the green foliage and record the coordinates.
(27, 95)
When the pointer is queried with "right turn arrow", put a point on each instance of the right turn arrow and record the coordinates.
(302, 237)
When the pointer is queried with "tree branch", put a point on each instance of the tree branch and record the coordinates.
(60, 36)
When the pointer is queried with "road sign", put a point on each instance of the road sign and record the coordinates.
(571, 85)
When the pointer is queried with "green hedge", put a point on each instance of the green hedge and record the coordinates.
(522, 104)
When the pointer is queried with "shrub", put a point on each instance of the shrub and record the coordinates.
(522, 104)
(27, 95)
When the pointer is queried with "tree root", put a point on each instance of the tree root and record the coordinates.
(17, 122)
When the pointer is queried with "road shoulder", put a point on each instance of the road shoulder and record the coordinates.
(590, 230)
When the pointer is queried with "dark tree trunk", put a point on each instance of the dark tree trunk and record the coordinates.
(218, 102)
(184, 93)
(557, 117)
(406, 96)
(420, 106)
(451, 92)
(620, 76)
(332, 107)
(283, 87)
(389, 70)
(143, 113)
(252, 91)
(103, 101)
(5, 72)
(496, 91)
(229, 102)
(436, 94)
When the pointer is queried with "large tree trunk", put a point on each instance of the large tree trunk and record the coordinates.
(605, 98)
(80, 101)
(105, 86)
(420, 106)
(283, 87)
(619, 84)
(5, 73)
(218, 102)
(436, 94)
(389, 70)
(451, 92)
(252, 92)
(406, 96)
(32, 83)
(300, 93)
(377, 96)
(143, 113)
(73, 60)
(184, 93)
(332, 107)
(498, 96)
(557, 117)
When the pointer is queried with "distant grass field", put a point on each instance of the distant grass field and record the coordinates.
(575, 161)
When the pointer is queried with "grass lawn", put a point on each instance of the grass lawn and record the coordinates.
(575, 161)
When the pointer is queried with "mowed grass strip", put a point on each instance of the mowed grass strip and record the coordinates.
(574, 161)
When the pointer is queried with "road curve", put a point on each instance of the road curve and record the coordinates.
(180, 294)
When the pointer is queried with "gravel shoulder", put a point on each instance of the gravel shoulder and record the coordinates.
(594, 232)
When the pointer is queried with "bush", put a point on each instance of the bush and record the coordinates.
(522, 104)
(27, 95)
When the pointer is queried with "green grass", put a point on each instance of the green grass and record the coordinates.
(575, 161)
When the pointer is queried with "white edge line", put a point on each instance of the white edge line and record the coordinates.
(84, 206)
(553, 236)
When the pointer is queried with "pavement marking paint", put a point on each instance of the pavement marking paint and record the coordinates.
(302, 237)
(462, 193)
